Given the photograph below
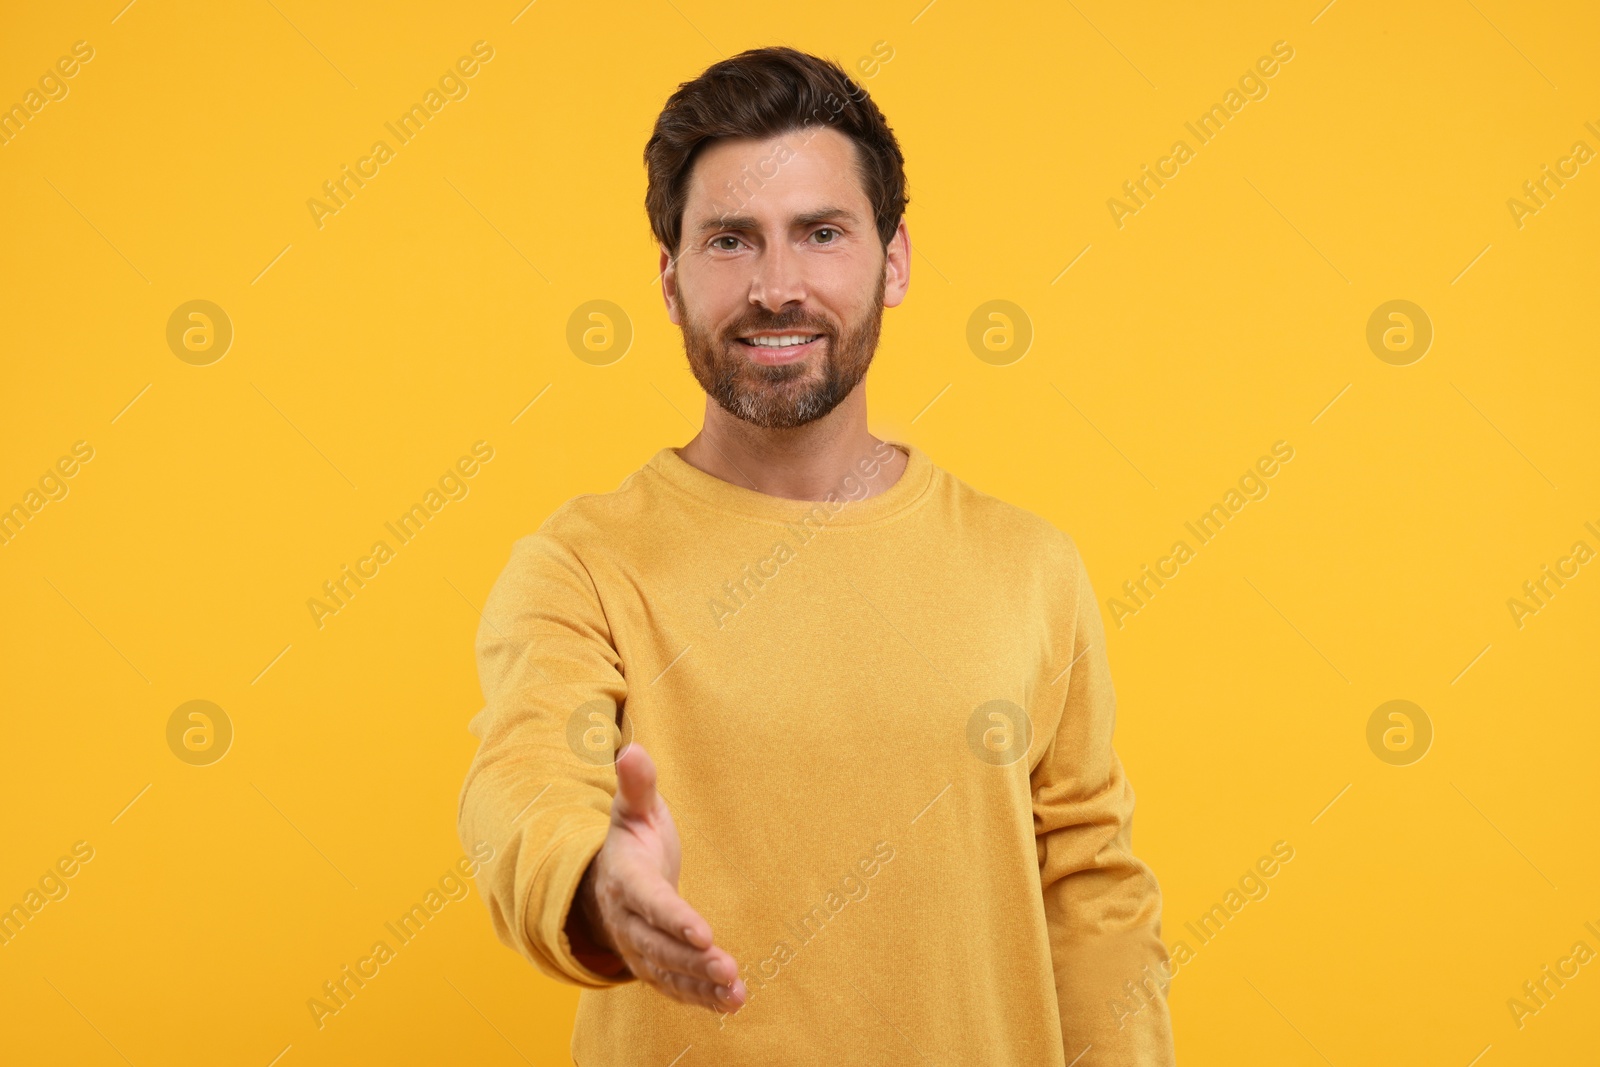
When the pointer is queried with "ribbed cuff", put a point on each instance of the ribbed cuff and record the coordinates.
(547, 927)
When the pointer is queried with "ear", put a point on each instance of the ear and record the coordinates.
(669, 285)
(897, 266)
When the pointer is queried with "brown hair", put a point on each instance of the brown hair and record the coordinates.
(764, 92)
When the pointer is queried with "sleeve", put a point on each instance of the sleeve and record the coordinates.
(539, 788)
(1102, 906)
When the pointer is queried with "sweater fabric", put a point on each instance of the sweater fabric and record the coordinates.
(883, 727)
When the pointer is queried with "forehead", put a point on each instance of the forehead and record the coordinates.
(773, 177)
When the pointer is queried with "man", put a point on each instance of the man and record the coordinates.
(867, 809)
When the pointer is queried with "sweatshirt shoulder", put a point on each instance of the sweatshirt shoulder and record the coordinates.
(1010, 527)
(591, 517)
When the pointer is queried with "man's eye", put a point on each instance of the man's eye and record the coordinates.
(827, 230)
(724, 237)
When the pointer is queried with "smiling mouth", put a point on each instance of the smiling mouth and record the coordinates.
(779, 341)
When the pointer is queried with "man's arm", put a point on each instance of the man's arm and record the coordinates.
(585, 876)
(1102, 905)
(544, 650)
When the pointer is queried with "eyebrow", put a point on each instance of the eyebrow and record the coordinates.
(746, 223)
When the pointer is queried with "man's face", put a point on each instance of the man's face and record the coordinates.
(780, 246)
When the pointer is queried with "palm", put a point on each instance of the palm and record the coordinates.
(635, 889)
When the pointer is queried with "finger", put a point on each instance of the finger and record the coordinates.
(652, 897)
(693, 990)
(636, 784)
(658, 979)
(719, 998)
(672, 954)
(728, 999)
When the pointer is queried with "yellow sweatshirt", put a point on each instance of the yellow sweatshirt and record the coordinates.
(883, 727)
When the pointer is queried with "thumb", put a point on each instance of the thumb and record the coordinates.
(636, 784)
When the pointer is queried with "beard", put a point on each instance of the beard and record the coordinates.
(790, 394)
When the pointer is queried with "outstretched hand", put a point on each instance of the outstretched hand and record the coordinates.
(629, 897)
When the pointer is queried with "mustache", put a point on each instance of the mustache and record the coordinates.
(780, 323)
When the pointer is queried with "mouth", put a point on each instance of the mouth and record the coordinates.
(774, 349)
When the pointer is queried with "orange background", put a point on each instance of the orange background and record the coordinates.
(1168, 354)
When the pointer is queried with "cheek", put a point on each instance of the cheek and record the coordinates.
(713, 306)
(850, 315)
(850, 300)
(831, 306)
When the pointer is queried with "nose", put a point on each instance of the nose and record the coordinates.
(779, 278)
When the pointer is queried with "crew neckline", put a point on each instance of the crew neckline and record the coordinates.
(912, 485)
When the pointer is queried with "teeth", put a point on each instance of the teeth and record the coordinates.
(783, 341)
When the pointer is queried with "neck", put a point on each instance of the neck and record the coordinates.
(799, 463)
